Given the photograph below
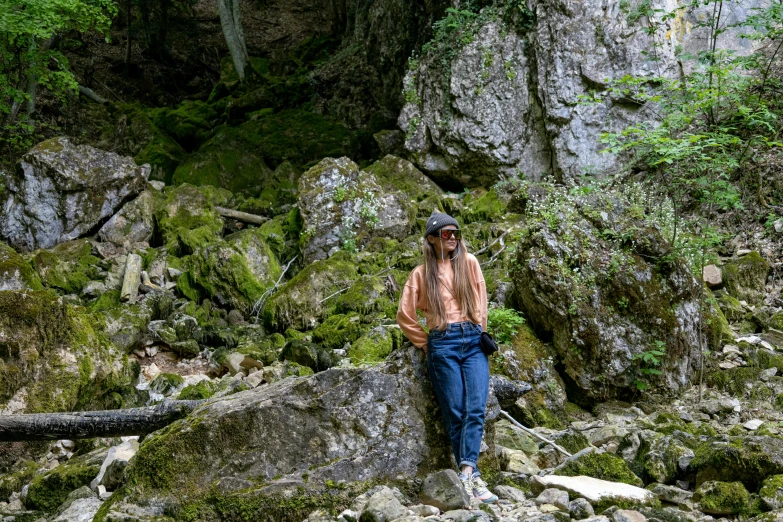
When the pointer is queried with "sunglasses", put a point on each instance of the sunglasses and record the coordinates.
(446, 234)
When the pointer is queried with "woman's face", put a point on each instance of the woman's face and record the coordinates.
(444, 246)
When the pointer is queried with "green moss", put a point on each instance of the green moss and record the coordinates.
(15, 272)
(748, 459)
(106, 301)
(298, 136)
(39, 329)
(48, 491)
(604, 466)
(15, 481)
(148, 144)
(308, 296)
(572, 441)
(731, 307)
(234, 273)
(68, 266)
(722, 498)
(376, 345)
(746, 277)
(771, 492)
(337, 330)
(225, 161)
(367, 295)
(187, 219)
(166, 383)
(481, 205)
(734, 380)
(198, 391)
(308, 354)
(190, 123)
(394, 173)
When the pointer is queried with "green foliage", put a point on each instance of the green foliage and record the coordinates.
(647, 363)
(502, 323)
(29, 59)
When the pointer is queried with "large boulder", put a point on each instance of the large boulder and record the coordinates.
(343, 207)
(234, 272)
(53, 358)
(302, 302)
(61, 191)
(600, 282)
(294, 445)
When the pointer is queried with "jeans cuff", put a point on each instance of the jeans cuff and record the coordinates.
(468, 463)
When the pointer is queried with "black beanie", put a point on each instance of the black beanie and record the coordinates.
(437, 221)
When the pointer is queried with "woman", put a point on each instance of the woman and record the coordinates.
(449, 288)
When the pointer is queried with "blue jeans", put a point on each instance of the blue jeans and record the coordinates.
(459, 372)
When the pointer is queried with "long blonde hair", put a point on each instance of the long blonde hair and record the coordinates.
(463, 292)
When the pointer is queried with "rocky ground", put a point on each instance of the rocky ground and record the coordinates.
(119, 292)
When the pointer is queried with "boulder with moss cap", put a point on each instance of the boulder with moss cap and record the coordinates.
(61, 191)
(343, 207)
(318, 432)
(746, 277)
(607, 303)
(304, 301)
(234, 272)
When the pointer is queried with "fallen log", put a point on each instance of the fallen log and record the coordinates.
(242, 216)
(89, 424)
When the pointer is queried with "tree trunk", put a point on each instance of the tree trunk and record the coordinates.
(128, 9)
(231, 22)
(89, 424)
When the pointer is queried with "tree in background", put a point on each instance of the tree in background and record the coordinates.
(231, 22)
(29, 59)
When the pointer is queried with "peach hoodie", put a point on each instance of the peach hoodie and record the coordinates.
(413, 299)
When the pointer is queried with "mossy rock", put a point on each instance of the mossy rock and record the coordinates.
(366, 296)
(376, 345)
(166, 383)
(48, 491)
(310, 355)
(731, 308)
(483, 205)
(235, 272)
(396, 173)
(302, 302)
(190, 124)
(298, 136)
(659, 457)
(68, 266)
(266, 349)
(748, 459)
(187, 219)
(201, 390)
(146, 142)
(734, 381)
(15, 272)
(509, 436)
(57, 353)
(226, 161)
(14, 481)
(604, 466)
(722, 498)
(338, 330)
(746, 277)
(771, 492)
